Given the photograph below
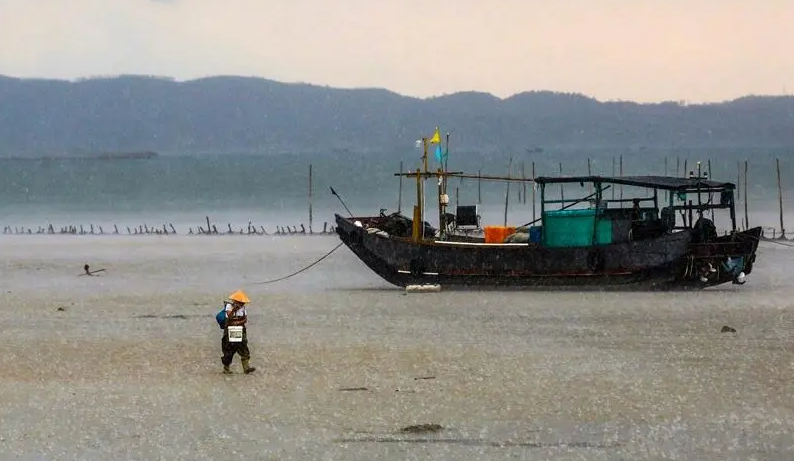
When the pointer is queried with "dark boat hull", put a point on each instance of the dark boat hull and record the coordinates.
(667, 262)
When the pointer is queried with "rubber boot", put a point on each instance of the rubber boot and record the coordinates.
(248, 368)
(227, 370)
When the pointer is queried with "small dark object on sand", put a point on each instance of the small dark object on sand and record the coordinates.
(727, 329)
(90, 272)
(422, 428)
(348, 389)
(61, 309)
(424, 377)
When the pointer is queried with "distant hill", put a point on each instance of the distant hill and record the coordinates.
(224, 114)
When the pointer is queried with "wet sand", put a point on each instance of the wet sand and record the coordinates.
(129, 368)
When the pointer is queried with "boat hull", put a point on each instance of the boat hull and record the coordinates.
(665, 263)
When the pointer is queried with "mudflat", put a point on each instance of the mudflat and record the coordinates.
(126, 364)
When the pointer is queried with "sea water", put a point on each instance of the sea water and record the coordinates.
(271, 190)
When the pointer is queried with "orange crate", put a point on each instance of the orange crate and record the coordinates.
(497, 234)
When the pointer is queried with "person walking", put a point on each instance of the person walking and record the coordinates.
(235, 336)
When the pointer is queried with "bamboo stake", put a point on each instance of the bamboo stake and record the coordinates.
(507, 187)
(613, 175)
(524, 177)
(746, 216)
(518, 189)
(589, 173)
(533, 191)
(479, 186)
(738, 180)
(562, 194)
(310, 198)
(710, 177)
(400, 193)
(780, 199)
(621, 175)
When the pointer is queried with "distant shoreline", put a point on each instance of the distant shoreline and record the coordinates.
(137, 155)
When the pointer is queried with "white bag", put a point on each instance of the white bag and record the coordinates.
(236, 334)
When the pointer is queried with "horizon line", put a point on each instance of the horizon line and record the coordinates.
(683, 102)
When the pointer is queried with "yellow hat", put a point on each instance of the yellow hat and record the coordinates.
(239, 296)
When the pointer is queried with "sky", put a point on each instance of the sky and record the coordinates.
(641, 50)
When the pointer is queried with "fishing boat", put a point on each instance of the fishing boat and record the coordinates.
(664, 241)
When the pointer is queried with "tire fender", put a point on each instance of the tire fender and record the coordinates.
(595, 260)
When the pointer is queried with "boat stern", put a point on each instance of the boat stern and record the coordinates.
(725, 259)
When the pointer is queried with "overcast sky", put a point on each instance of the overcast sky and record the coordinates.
(645, 50)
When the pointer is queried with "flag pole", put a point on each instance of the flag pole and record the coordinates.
(446, 155)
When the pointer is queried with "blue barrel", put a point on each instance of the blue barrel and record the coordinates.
(534, 234)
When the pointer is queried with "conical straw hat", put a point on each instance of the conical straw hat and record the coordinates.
(239, 296)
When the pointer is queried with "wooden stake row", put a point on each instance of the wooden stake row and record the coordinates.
(167, 229)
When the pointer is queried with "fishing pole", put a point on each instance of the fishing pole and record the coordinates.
(342, 202)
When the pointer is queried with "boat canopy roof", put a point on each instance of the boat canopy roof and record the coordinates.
(671, 183)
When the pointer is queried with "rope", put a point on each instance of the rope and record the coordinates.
(301, 270)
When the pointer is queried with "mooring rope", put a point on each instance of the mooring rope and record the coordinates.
(301, 270)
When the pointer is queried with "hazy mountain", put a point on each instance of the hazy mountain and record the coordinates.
(221, 114)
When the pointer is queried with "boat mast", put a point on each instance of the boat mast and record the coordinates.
(419, 209)
(443, 197)
(417, 233)
(424, 185)
(441, 204)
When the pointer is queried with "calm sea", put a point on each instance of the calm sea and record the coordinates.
(272, 189)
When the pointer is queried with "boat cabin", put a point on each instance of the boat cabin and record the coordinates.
(669, 204)
(646, 207)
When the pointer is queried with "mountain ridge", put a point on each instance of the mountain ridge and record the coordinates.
(237, 113)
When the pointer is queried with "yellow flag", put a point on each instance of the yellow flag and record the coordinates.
(436, 139)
